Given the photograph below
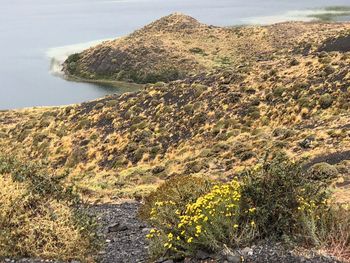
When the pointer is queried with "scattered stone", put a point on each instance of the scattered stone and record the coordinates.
(247, 251)
(202, 255)
(117, 227)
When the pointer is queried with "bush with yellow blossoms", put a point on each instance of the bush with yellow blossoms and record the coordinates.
(214, 219)
(276, 200)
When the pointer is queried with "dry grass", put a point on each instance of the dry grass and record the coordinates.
(37, 225)
(336, 240)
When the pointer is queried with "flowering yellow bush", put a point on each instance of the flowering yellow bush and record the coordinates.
(276, 200)
(176, 192)
(214, 219)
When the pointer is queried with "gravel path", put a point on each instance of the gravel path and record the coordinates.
(124, 234)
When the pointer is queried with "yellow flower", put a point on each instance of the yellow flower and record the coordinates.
(235, 226)
(170, 236)
(198, 229)
(190, 240)
(168, 245)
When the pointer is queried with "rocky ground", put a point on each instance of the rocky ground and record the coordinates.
(122, 232)
(124, 238)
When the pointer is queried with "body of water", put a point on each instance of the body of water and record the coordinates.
(35, 34)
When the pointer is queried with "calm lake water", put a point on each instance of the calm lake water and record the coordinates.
(34, 33)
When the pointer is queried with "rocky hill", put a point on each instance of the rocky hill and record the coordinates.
(177, 46)
(276, 94)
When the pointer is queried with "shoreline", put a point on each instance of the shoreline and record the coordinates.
(110, 83)
(59, 55)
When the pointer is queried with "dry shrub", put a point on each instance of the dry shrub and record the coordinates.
(39, 225)
(179, 190)
(335, 237)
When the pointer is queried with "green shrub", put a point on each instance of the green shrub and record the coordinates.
(326, 101)
(322, 172)
(197, 50)
(99, 106)
(280, 190)
(278, 91)
(73, 58)
(329, 70)
(276, 200)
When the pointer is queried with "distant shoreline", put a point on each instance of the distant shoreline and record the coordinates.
(58, 56)
(111, 83)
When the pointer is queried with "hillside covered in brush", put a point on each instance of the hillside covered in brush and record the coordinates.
(282, 87)
(177, 46)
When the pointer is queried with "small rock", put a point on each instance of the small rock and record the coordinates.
(202, 255)
(116, 228)
(158, 169)
(146, 230)
(247, 251)
(233, 258)
(228, 255)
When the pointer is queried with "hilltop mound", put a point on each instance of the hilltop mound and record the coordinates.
(178, 46)
(175, 23)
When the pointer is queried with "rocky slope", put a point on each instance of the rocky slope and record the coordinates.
(212, 124)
